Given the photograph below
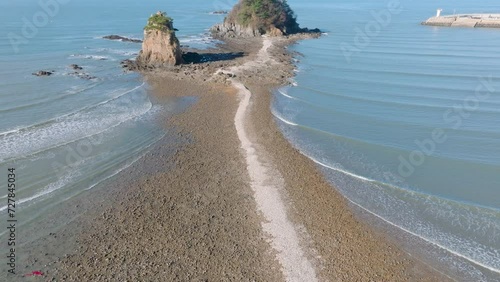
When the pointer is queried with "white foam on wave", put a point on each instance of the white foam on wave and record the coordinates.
(14, 130)
(197, 39)
(70, 175)
(72, 127)
(202, 39)
(126, 53)
(465, 248)
(340, 170)
(73, 90)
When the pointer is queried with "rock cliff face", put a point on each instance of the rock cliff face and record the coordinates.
(250, 18)
(160, 47)
(232, 29)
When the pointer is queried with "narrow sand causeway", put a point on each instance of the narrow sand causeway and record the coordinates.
(267, 185)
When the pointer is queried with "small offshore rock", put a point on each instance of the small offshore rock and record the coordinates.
(160, 47)
(43, 73)
(121, 38)
(75, 67)
(221, 12)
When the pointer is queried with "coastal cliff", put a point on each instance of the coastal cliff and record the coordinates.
(160, 47)
(251, 18)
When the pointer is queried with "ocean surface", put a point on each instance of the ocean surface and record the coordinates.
(65, 134)
(404, 119)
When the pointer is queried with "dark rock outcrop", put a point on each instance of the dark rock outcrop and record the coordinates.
(43, 73)
(121, 38)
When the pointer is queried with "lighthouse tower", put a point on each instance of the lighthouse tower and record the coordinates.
(438, 12)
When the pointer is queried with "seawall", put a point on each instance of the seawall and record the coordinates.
(466, 20)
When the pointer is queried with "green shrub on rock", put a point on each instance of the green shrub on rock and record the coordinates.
(160, 21)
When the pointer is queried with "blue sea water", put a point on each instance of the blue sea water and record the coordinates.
(403, 118)
(64, 134)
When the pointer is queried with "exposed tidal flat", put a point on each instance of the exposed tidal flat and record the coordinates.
(186, 210)
(190, 201)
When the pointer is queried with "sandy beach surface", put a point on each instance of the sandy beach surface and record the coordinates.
(229, 200)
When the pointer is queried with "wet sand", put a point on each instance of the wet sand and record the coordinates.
(197, 213)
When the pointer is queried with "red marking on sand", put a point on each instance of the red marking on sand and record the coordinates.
(34, 273)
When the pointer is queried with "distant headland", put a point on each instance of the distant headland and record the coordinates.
(464, 20)
(255, 18)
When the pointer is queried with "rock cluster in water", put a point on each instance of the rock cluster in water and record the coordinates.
(160, 47)
(77, 72)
